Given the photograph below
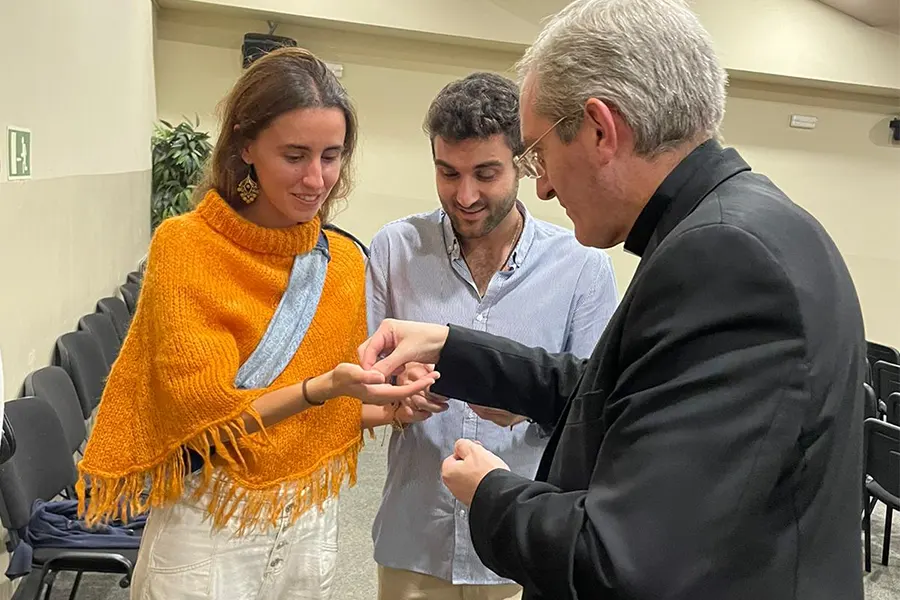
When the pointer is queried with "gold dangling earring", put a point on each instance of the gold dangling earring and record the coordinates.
(248, 188)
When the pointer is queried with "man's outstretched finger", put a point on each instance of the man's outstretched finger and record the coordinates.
(418, 386)
(385, 393)
(390, 364)
(370, 350)
(421, 402)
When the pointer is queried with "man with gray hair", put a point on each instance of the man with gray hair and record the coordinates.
(711, 446)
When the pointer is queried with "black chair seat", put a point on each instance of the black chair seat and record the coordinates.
(81, 561)
(882, 494)
(110, 558)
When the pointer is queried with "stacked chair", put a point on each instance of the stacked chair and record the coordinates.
(42, 468)
(44, 431)
(81, 356)
(54, 386)
(101, 328)
(117, 311)
(881, 446)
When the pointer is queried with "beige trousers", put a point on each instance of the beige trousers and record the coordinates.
(183, 558)
(395, 584)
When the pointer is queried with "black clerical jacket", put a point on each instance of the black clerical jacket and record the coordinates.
(710, 448)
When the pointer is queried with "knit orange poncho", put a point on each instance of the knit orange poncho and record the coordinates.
(212, 284)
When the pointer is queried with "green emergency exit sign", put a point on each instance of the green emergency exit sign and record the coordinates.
(19, 160)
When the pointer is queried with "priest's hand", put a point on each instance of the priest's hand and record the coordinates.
(471, 462)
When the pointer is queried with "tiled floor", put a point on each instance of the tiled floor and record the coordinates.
(356, 570)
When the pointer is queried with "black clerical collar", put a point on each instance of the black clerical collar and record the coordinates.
(692, 179)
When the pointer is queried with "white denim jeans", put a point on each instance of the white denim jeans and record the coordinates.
(183, 558)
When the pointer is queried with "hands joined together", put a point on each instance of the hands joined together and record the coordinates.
(407, 352)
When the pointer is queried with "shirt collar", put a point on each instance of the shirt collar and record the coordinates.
(693, 178)
(516, 259)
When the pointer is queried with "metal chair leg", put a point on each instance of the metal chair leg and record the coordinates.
(51, 577)
(867, 527)
(886, 549)
(39, 592)
(75, 585)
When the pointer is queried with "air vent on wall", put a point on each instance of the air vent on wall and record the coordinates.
(259, 44)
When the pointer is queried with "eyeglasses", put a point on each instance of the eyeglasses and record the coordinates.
(529, 163)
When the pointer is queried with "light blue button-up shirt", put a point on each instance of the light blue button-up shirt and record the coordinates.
(555, 294)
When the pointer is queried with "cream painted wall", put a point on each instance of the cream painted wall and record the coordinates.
(797, 39)
(844, 172)
(79, 74)
(801, 39)
(494, 24)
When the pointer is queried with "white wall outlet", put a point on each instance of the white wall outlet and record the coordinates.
(804, 121)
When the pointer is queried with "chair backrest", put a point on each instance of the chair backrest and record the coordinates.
(53, 385)
(116, 310)
(7, 441)
(130, 292)
(882, 454)
(81, 357)
(893, 408)
(42, 466)
(871, 406)
(876, 352)
(362, 247)
(887, 379)
(101, 327)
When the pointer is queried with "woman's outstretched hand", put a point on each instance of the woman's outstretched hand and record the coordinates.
(372, 387)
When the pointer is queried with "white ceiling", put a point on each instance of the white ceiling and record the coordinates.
(877, 13)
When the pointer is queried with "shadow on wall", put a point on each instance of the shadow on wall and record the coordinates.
(882, 133)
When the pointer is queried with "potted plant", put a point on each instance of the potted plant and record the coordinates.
(179, 157)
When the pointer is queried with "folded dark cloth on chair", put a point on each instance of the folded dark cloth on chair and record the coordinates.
(56, 525)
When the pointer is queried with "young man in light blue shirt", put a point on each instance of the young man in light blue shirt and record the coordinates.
(483, 262)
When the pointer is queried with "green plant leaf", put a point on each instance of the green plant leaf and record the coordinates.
(179, 153)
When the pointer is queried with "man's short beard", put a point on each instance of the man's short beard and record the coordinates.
(492, 220)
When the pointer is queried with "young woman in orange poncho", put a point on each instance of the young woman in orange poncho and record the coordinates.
(233, 412)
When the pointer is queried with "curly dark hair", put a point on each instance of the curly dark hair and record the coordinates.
(478, 106)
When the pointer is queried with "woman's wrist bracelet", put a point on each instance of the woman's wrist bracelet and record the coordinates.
(306, 394)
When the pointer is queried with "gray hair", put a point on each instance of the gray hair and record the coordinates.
(651, 60)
